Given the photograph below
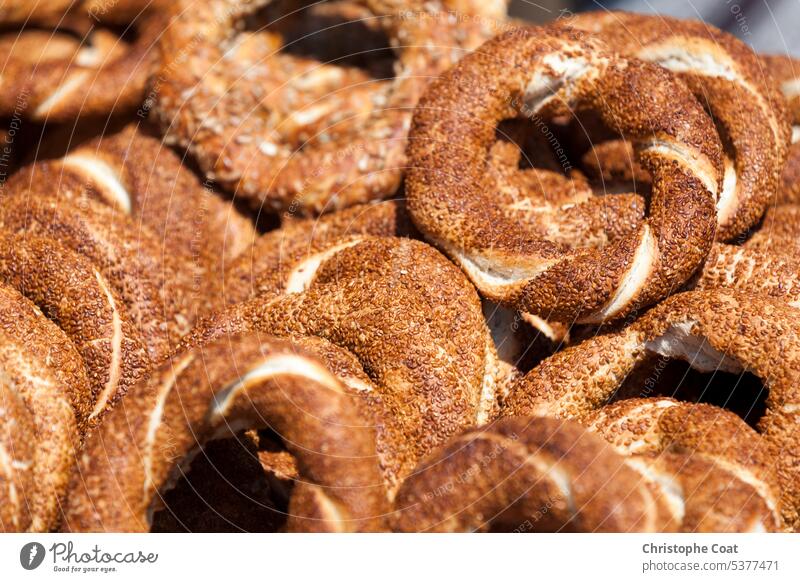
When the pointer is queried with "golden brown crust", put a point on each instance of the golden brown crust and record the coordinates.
(137, 175)
(779, 234)
(753, 268)
(74, 294)
(95, 76)
(786, 73)
(209, 391)
(455, 206)
(265, 267)
(724, 470)
(293, 133)
(17, 452)
(127, 255)
(410, 318)
(528, 474)
(730, 81)
(739, 331)
(48, 375)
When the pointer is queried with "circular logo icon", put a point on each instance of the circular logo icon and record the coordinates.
(31, 555)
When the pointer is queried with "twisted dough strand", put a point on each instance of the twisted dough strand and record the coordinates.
(717, 329)
(45, 371)
(727, 77)
(412, 320)
(525, 474)
(209, 392)
(77, 297)
(553, 70)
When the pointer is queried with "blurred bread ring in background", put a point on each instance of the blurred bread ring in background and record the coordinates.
(295, 133)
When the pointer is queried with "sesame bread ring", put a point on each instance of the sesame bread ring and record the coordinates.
(47, 374)
(126, 254)
(728, 78)
(718, 329)
(136, 174)
(296, 134)
(779, 233)
(410, 318)
(72, 293)
(723, 471)
(210, 392)
(17, 451)
(71, 77)
(528, 474)
(552, 70)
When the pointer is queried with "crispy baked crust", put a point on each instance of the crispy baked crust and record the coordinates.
(126, 254)
(458, 209)
(48, 376)
(754, 268)
(264, 269)
(17, 453)
(786, 73)
(74, 294)
(728, 78)
(528, 474)
(755, 332)
(210, 391)
(295, 134)
(134, 173)
(724, 472)
(408, 316)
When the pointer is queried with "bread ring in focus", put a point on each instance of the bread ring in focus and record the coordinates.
(210, 392)
(409, 317)
(716, 329)
(553, 71)
(150, 283)
(77, 297)
(268, 267)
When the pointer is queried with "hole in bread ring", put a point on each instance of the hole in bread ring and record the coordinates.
(551, 69)
(730, 81)
(411, 319)
(63, 79)
(713, 329)
(215, 390)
